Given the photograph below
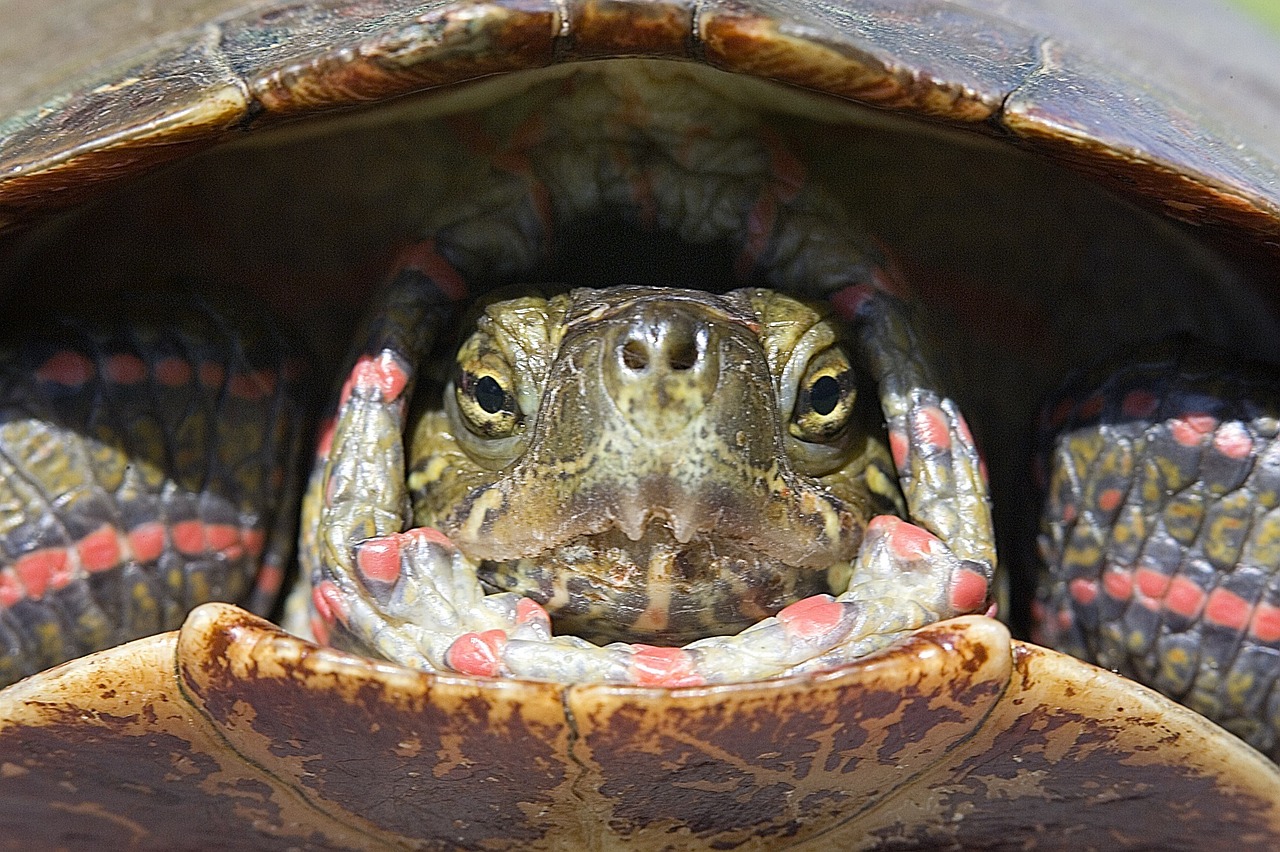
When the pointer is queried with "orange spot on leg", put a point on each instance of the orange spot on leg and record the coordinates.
(968, 591)
(379, 558)
(477, 654)
(37, 568)
(652, 666)
(70, 369)
(1083, 592)
(1227, 609)
(100, 549)
(814, 616)
(1184, 597)
(146, 541)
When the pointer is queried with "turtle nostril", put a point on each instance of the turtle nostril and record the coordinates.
(683, 355)
(635, 355)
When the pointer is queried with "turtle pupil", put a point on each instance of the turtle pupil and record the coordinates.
(490, 395)
(824, 395)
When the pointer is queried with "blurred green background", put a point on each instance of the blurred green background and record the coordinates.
(1265, 10)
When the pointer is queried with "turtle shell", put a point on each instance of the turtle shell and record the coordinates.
(958, 737)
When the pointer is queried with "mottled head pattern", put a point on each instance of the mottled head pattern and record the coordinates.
(654, 465)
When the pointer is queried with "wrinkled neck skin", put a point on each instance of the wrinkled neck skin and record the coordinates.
(650, 478)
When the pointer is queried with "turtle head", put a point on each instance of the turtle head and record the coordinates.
(653, 464)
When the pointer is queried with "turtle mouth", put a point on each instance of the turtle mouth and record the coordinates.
(659, 587)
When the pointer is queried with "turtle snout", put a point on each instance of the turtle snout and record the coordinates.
(669, 342)
(661, 367)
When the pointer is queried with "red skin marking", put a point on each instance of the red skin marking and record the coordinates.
(787, 171)
(146, 541)
(1139, 404)
(528, 610)
(188, 536)
(270, 578)
(328, 601)
(221, 536)
(1109, 499)
(1118, 583)
(1227, 609)
(640, 184)
(173, 372)
(907, 541)
(1151, 583)
(319, 630)
(324, 446)
(1190, 429)
(1184, 597)
(254, 540)
(212, 374)
(898, 448)
(1069, 512)
(70, 369)
(787, 178)
(849, 301)
(652, 666)
(892, 277)
(1091, 407)
(253, 386)
(432, 535)
(379, 558)
(1083, 592)
(1265, 624)
(929, 427)
(1065, 620)
(1060, 413)
(124, 369)
(759, 227)
(424, 257)
(812, 617)
(382, 373)
(1233, 440)
(477, 654)
(37, 569)
(100, 549)
(968, 591)
(11, 589)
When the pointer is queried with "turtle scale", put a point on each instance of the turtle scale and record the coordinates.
(1049, 92)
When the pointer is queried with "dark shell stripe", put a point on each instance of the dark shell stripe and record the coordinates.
(1163, 521)
(156, 458)
(657, 177)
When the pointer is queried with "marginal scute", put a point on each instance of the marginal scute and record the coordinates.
(266, 741)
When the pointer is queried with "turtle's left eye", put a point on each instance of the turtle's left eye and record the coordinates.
(486, 402)
(825, 399)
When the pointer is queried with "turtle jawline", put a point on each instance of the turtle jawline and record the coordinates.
(606, 587)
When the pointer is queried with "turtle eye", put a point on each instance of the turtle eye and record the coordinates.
(487, 405)
(825, 398)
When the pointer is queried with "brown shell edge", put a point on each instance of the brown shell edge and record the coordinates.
(256, 739)
(127, 126)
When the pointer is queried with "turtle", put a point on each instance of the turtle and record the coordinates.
(952, 735)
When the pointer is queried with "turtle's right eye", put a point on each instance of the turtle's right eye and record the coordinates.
(486, 402)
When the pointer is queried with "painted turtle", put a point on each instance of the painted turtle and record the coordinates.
(953, 736)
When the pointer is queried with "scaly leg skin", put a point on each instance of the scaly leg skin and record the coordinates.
(1161, 530)
(410, 596)
(148, 459)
